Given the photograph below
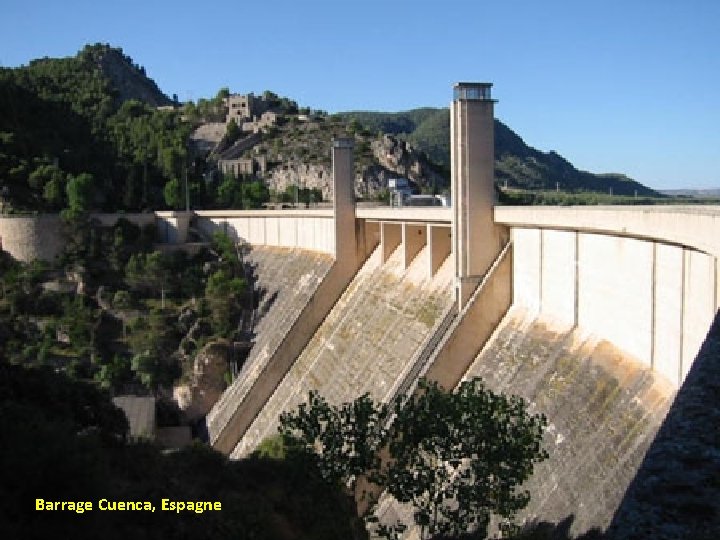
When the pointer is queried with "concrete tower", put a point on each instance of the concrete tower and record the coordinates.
(344, 199)
(476, 243)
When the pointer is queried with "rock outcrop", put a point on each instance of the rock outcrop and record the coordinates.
(403, 159)
(391, 158)
(207, 382)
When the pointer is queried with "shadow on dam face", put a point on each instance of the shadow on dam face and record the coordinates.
(628, 455)
(676, 491)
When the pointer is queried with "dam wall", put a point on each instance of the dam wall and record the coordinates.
(306, 229)
(645, 279)
(284, 281)
(368, 340)
(603, 406)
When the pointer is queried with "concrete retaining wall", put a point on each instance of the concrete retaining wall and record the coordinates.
(28, 238)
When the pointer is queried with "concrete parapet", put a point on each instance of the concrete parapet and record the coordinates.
(407, 214)
(306, 229)
(693, 226)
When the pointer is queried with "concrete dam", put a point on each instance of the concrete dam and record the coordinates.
(600, 317)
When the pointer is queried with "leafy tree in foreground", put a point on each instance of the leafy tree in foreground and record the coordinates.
(457, 457)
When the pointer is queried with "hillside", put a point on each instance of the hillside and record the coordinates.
(128, 79)
(82, 133)
(296, 153)
(516, 164)
(94, 132)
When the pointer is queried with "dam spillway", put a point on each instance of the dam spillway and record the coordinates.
(366, 342)
(283, 280)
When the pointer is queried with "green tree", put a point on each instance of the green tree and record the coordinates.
(232, 132)
(153, 340)
(149, 272)
(348, 436)
(228, 193)
(79, 321)
(79, 194)
(173, 194)
(254, 194)
(222, 293)
(457, 457)
(224, 246)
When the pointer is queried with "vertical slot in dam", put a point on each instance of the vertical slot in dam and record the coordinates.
(367, 341)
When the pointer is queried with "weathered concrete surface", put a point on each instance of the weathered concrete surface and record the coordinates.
(675, 493)
(653, 299)
(366, 342)
(475, 324)
(284, 281)
(603, 408)
(308, 229)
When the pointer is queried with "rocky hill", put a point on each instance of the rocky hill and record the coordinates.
(128, 79)
(92, 121)
(297, 154)
(516, 164)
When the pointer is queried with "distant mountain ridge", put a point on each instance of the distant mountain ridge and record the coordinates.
(517, 165)
(701, 193)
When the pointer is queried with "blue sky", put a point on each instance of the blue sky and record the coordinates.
(627, 86)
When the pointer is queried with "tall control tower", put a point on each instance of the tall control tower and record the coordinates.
(476, 242)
